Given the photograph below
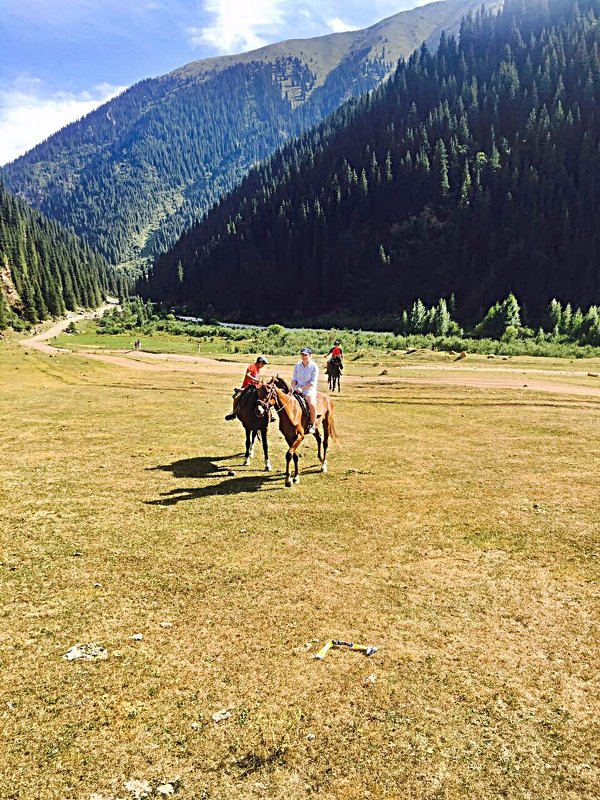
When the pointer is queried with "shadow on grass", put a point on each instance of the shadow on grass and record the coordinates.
(207, 467)
(200, 467)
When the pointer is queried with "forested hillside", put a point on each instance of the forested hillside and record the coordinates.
(474, 171)
(135, 173)
(44, 268)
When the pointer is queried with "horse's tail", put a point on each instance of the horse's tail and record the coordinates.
(332, 430)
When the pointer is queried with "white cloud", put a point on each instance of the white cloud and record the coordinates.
(28, 116)
(239, 25)
(338, 25)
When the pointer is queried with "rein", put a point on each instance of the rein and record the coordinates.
(271, 393)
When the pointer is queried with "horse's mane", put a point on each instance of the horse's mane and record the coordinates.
(280, 383)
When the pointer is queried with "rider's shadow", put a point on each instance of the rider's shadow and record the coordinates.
(205, 467)
(201, 467)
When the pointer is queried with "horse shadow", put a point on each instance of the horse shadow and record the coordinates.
(208, 467)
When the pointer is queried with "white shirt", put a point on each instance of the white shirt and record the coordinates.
(306, 376)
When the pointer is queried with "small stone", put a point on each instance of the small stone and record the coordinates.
(220, 716)
(311, 737)
(165, 789)
(137, 637)
(196, 726)
(77, 553)
(243, 530)
(166, 624)
(370, 679)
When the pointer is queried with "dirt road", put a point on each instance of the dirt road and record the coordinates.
(529, 380)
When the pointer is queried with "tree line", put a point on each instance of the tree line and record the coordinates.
(45, 269)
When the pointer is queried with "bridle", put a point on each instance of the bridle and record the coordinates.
(272, 393)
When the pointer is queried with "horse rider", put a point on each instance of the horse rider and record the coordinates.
(304, 381)
(251, 378)
(336, 353)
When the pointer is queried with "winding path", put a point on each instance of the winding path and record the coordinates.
(530, 379)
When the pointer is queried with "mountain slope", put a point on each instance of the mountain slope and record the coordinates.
(44, 268)
(473, 171)
(132, 175)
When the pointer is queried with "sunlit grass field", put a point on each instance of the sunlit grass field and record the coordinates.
(457, 530)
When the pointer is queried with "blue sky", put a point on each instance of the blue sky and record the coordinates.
(59, 59)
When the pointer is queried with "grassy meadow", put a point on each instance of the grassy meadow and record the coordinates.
(457, 531)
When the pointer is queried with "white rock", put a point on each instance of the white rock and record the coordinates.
(137, 637)
(166, 624)
(86, 652)
(138, 789)
(219, 716)
(165, 789)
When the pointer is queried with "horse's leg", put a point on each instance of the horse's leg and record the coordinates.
(291, 453)
(248, 447)
(318, 438)
(325, 441)
(265, 444)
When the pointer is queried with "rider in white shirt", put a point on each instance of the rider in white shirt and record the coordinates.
(304, 380)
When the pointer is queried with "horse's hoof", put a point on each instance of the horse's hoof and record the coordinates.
(297, 479)
(247, 462)
(288, 484)
(324, 467)
(268, 467)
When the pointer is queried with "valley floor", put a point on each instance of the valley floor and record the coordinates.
(457, 531)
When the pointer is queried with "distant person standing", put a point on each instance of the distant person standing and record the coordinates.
(138, 344)
(304, 380)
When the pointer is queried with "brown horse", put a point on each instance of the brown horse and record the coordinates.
(255, 419)
(293, 422)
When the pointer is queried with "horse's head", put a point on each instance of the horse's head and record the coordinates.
(266, 396)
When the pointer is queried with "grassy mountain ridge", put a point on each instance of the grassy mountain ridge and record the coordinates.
(135, 173)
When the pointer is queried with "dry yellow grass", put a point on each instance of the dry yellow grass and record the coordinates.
(457, 530)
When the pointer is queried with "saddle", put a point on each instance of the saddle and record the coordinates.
(305, 412)
(242, 396)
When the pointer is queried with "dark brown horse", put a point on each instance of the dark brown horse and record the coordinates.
(294, 420)
(255, 419)
(334, 373)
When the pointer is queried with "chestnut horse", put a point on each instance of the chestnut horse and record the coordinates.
(255, 420)
(293, 422)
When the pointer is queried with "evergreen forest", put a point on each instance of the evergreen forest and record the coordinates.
(133, 175)
(46, 269)
(473, 171)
